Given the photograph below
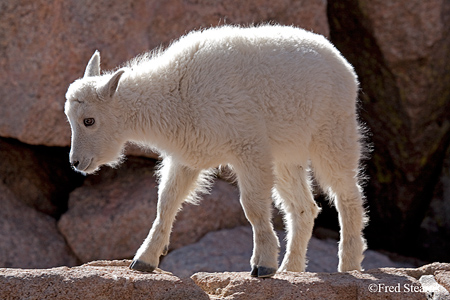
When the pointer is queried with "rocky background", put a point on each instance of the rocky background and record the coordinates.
(51, 216)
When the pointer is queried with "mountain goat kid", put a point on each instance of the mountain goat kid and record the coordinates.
(270, 101)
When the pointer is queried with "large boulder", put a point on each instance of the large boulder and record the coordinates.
(28, 238)
(45, 46)
(111, 214)
(401, 52)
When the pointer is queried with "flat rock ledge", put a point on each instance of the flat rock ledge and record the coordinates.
(113, 280)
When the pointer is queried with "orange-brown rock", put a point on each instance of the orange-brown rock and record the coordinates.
(97, 280)
(113, 280)
(384, 283)
(29, 238)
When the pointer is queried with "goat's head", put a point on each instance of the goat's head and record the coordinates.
(92, 110)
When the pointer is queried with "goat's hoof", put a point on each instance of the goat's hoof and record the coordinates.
(254, 272)
(138, 265)
(259, 271)
(166, 250)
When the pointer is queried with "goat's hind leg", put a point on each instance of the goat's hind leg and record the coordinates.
(337, 173)
(255, 183)
(176, 184)
(293, 196)
(352, 219)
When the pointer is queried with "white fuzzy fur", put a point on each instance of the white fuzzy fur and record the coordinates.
(270, 101)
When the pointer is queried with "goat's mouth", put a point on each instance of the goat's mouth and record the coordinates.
(84, 167)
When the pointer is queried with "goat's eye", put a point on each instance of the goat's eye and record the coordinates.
(89, 122)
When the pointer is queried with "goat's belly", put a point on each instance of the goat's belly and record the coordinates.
(292, 153)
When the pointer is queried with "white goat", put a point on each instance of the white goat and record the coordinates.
(269, 101)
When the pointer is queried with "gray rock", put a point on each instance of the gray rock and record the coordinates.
(230, 250)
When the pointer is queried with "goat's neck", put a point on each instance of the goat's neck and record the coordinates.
(153, 109)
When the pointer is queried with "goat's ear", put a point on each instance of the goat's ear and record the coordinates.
(93, 66)
(107, 91)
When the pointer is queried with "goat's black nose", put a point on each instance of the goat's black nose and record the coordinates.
(75, 163)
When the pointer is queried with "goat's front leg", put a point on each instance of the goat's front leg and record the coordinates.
(177, 182)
